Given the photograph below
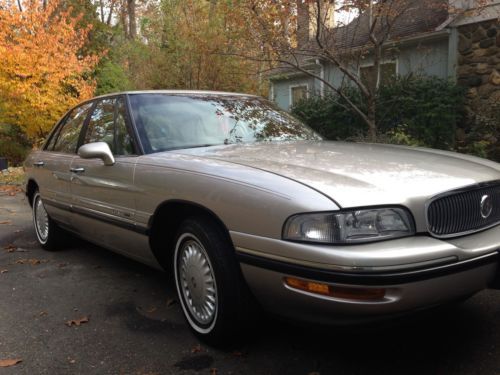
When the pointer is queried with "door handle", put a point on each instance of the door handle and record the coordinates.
(77, 170)
(38, 164)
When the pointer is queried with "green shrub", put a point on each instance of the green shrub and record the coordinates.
(14, 144)
(110, 78)
(411, 110)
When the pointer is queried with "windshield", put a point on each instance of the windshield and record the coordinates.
(169, 121)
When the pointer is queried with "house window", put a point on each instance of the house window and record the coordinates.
(368, 74)
(298, 93)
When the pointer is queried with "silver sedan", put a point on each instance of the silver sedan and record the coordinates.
(245, 206)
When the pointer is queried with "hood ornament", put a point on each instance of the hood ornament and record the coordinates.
(486, 206)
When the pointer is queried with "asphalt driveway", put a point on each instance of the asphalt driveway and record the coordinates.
(85, 310)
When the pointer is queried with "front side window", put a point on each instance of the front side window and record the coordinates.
(108, 124)
(67, 138)
(123, 140)
(168, 122)
(101, 124)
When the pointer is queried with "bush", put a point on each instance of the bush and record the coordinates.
(411, 110)
(14, 144)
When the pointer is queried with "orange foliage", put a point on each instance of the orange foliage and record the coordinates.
(42, 72)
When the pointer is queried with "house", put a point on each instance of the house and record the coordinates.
(452, 39)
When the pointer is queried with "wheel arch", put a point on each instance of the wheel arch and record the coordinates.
(165, 222)
(31, 187)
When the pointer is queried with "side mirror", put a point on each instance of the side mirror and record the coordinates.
(97, 150)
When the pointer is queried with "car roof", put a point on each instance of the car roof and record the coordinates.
(176, 92)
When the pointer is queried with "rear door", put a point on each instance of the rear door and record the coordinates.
(53, 164)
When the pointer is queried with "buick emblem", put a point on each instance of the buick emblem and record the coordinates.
(486, 206)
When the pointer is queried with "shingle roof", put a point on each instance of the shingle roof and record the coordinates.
(409, 18)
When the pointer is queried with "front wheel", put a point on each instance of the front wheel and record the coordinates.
(48, 234)
(209, 283)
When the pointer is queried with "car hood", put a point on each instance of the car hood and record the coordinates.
(357, 174)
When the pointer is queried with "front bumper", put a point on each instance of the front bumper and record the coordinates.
(441, 276)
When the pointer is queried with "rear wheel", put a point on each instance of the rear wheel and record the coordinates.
(48, 234)
(209, 283)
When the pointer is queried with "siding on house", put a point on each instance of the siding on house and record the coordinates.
(421, 57)
(280, 91)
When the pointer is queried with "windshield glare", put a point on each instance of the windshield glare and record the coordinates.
(168, 122)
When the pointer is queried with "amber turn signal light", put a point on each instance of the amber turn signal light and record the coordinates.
(359, 294)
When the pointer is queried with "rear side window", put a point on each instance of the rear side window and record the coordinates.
(67, 138)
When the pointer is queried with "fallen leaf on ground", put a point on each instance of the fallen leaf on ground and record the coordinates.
(10, 248)
(151, 310)
(5, 222)
(197, 349)
(237, 354)
(213, 371)
(10, 188)
(61, 265)
(42, 313)
(171, 301)
(77, 322)
(9, 362)
(3, 271)
(32, 261)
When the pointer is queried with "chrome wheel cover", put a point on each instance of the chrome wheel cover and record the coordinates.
(196, 283)
(41, 220)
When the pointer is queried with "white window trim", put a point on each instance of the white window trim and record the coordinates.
(385, 61)
(290, 87)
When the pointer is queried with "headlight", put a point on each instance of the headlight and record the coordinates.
(349, 226)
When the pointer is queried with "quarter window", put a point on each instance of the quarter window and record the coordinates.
(67, 139)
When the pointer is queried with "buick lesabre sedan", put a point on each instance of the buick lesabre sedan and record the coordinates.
(242, 203)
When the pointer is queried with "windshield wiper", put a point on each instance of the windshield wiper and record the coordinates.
(191, 146)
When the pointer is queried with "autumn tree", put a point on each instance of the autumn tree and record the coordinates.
(184, 44)
(42, 69)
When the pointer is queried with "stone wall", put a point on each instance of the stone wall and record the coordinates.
(479, 63)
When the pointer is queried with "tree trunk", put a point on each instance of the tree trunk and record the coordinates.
(370, 119)
(123, 17)
(132, 21)
(101, 10)
(110, 14)
(211, 11)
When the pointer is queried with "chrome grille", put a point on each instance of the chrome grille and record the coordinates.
(459, 212)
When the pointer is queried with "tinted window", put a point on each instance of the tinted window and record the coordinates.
(101, 124)
(169, 122)
(67, 139)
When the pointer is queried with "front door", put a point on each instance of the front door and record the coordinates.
(104, 196)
